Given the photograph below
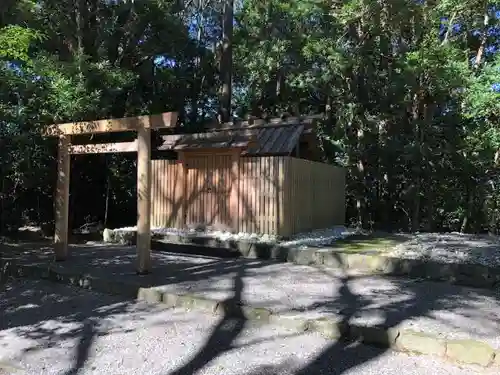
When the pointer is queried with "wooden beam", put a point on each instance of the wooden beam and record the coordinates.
(62, 199)
(144, 201)
(163, 120)
(104, 148)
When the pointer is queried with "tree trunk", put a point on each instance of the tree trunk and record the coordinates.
(484, 37)
(226, 62)
(449, 29)
(417, 170)
(3, 211)
(79, 34)
(420, 114)
(199, 76)
(468, 210)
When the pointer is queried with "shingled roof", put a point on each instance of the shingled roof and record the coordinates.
(273, 137)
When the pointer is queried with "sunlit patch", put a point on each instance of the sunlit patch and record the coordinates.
(451, 248)
(23, 307)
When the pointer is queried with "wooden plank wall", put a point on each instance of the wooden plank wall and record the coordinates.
(258, 185)
(275, 195)
(260, 194)
(208, 190)
(314, 196)
(167, 178)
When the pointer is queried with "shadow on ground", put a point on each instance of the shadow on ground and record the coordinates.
(46, 318)
(207, 274)
(345, 354)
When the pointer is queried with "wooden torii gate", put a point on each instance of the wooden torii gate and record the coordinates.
(142, 145)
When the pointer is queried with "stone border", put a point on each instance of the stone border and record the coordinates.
(471, 352)
(472, 275)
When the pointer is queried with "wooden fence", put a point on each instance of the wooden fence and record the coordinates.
(167, 194)
(314, 196)
(274, 195)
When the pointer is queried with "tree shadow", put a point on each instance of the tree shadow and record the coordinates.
(395, 301)
(350, 350)
(224, 333)
(27, 311)
(47, 314)
(343, 354)
(87, 335)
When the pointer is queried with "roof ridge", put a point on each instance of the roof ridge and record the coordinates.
(229, 137)
(262, 122)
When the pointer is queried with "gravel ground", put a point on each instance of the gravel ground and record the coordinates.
(54, 329)
(437, 308)
(451, 248)
(287, 288)
(442, 247)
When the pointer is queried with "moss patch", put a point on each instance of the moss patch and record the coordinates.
(379, 242)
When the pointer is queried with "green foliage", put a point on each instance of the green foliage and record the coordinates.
(94, 61)
(408, 112)
(483, 94)
(408, 115)
(15, 42)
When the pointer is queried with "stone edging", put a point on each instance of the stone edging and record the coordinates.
(460, 351)
(473, 275)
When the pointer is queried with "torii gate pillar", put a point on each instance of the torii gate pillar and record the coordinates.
(142, 125)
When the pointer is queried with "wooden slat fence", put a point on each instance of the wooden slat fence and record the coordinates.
(274, 195)
(208, 190)
(260, 192)
(167, 194)
(314, 196)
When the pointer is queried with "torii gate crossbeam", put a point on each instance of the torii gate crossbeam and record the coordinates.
(142, 125)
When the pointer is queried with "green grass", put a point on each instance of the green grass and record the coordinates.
(379, 242)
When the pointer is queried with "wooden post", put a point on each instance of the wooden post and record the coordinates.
(62, 198)
(185, 193)
(143, 200)
(235, 190)
(143, 126)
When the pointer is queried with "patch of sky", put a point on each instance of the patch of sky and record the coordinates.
(164, 62)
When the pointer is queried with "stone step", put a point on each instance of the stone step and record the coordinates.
(461, 324)
(366, 261)
(473, 275)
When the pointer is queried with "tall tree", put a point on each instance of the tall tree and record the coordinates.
(410, 91)
(226, 61)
